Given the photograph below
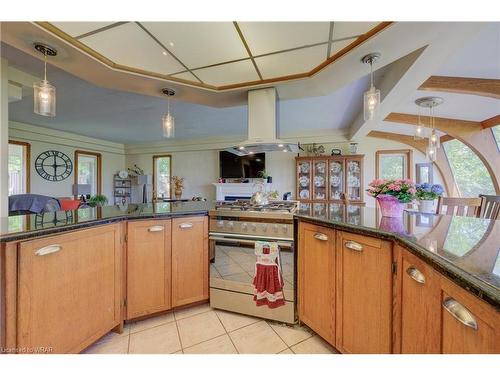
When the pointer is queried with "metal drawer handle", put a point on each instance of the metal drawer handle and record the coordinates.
(460, 313)
(354, 246)
(48, 250)
(185, 225)
(155, 228)
(321, 237)
(416, 275)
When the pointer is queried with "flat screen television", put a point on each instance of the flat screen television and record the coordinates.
(234, 166)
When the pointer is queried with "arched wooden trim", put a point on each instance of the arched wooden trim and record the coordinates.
(441, 163)
(463, 85)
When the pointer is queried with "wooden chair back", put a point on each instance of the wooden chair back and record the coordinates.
(490, 207)
(459, 206)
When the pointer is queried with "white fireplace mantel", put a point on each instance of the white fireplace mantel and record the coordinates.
(237, 190)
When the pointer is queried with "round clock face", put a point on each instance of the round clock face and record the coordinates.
(53, 165)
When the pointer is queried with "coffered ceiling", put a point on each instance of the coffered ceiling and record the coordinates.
(217, 55)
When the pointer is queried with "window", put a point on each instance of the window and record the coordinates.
(19, 167)
(162, 165)
(393, 164)
(471, 176)
(496, 134)
(88, 170)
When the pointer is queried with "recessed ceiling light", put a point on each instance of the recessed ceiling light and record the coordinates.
(251, 152)
(241, 148)
(171, 44)
(164, 53)
(280, 145)
(285, 150)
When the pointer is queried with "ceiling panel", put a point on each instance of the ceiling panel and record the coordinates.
(199, 44)
(348, 29)
(237, 72)
(266, 37)
(78, 28)
(339, 45)
(187, 76)
(286, 63)
(131, 46)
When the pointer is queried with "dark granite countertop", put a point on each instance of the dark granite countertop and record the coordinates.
(21, 227)
(465, 249)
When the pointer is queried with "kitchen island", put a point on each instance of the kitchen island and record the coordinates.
(422, 283)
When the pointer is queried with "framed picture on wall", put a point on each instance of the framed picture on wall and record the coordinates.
(424, 173)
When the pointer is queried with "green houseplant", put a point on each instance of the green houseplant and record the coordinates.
(98, 200)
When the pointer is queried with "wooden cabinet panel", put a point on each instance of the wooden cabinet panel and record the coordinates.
(458, 338)
(69, 289)
(364, 294)
(420, 306)
(316, 279)
(189, 260)
(148, 267)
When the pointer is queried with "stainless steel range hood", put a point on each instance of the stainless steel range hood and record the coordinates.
(263, 125)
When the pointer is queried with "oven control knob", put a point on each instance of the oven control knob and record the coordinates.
(244, 226)
(264, 227)
(254, 227)
(220, 224)
(275, 228)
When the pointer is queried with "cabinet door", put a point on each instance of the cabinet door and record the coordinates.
(470, 326)
(304, 179)
(148, 267)
(316, 279)
(364, 294)
(420, 307)
(69, 290)
(189, 260)
(320, 180)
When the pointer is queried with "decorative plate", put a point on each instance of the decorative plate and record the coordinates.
(320, 167)
(304, 194)
(353, 167)
(123, 174)
(319, 181)
(335, 168)
(335, 180)
(304, 181)
(304, 168)
(353, 181)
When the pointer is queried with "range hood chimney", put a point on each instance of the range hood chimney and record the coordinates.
(263, 125)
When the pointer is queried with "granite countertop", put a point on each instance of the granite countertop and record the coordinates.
(465, 249)
(21, 227)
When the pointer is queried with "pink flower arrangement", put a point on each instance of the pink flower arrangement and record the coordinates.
(402, 189)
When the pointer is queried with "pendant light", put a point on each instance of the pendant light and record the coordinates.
(168, 121)
(44, 94)
(434, 140)
(371, 98)
(419, 129)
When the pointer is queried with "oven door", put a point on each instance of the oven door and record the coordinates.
(232, 271)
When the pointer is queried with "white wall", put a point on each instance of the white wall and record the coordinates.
(43, 139)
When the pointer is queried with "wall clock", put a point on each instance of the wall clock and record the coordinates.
(53, 165)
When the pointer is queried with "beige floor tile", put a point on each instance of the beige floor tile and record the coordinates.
(198, 328)
(313, 345)
(113, 335)
(248, 267)
(229, 269)
(115, 345)
(286, 351)
(191, 311)
(233, 321)
(223, 260)
(218, 345)
(163, 339)
(291, 335)
(257, 338)
(240, 277)
(155, 321)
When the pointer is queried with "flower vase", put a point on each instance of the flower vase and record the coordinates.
(426, 206)
(178, 193)
(390, 206)
(392, 224)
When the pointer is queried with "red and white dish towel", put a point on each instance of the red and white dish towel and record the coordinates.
(268, 282)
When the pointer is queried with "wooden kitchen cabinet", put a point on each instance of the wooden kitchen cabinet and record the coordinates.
(189, 260)
(420, 306)
(364, 294)
(316, 279)
(69, 289)
(469, 325)
(149, 262)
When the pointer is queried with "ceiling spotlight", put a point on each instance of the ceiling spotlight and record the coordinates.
(280, 145)
(241, 148)
(164, 53)
(171, 44)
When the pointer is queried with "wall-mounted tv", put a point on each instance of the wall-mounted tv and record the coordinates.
(234, 166)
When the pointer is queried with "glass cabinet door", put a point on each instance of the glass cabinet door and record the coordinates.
(354, 214)
(304, 176)
(319, 180)
(304, 208)
(354, 189)
(336, 212)
(336, 179)
(319, 210)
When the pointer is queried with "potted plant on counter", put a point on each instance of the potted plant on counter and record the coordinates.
(426, 195)
(265, 176)
(178, 183)
(392, 195)
(98, 201)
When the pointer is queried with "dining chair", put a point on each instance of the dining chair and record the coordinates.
(490, 206)
(459, 206)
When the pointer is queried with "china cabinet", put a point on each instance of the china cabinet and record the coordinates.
(330, 179)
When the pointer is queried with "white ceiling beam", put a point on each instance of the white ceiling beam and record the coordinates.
(440, 46)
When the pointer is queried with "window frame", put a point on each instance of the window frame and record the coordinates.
(98, 156)
(27, 162)
(497, 141)
(155, 157)
(409, 160)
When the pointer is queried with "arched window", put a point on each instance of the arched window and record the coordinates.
(496, 134)
(471, 176)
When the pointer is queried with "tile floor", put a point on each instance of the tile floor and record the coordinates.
(203, 330)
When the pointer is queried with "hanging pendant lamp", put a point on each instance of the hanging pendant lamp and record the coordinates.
(168, 121)
(371, 98)
(44, 94)
(434, 140)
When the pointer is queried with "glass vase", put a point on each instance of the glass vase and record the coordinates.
(390, 206)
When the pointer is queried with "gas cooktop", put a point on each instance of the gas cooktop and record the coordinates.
(246, 205)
